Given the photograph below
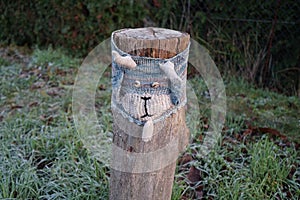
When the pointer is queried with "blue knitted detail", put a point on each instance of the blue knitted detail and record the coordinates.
(147, 72)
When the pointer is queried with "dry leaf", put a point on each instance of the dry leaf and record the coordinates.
(194, 175)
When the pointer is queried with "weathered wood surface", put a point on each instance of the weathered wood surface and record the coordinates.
(152, 42)
(156, 185)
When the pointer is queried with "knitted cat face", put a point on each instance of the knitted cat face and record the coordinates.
(147, 88)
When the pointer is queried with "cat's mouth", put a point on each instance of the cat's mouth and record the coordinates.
(145, 107)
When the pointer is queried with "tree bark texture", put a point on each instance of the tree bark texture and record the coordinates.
(154, 185)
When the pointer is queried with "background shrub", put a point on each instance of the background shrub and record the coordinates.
(75, 25)
(255, 40)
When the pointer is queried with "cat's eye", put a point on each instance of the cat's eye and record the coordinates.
(137, 84)
(155, 85)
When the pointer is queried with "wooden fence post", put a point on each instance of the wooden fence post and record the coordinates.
(148, 105)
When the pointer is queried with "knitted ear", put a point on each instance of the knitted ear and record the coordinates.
(176, 82)
(125, 61)
(147, 131)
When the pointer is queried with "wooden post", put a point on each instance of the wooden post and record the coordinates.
(149, 185)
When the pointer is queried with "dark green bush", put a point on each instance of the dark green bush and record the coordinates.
(75, 25)
(255, 40)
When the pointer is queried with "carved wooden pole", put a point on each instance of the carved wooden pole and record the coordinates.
(148, 105)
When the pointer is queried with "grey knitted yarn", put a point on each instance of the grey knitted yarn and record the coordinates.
(148, 88)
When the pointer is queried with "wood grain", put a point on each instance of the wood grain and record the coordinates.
(157, 185)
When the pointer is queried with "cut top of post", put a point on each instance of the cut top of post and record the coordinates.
(151, 42)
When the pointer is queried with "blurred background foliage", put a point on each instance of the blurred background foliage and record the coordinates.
(256, 40)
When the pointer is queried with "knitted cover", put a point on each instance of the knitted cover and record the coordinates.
(151, 90)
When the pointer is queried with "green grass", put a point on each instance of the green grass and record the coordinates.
(265, 108)
(43, 157)
(263, 175)
(258, 155)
